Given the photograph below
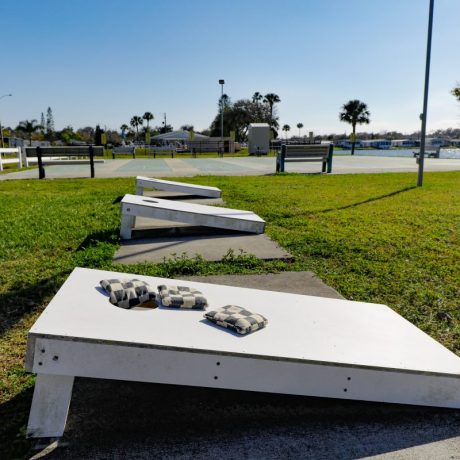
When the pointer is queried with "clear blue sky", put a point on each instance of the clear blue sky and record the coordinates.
(96, 61)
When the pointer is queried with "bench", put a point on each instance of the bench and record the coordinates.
(124, 150)
(11, 151)
(133, 206)
(176, 187)
(312, 346)
(305, 152)
(54, 155)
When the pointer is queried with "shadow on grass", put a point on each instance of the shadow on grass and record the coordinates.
(369, 200)
(13, 415)
(24, 299)
(94, 239)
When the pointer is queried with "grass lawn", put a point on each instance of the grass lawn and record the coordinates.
(374, 238)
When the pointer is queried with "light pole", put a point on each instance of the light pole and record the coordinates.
(221, 83)
(421, 157)
(1, 128)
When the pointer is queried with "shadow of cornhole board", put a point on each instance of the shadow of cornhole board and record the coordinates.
(312, 346)
(176, 187)
(133, 206)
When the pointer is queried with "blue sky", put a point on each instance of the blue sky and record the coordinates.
(97, 61)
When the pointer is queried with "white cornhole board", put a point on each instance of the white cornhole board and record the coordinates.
(180, 187)
(133, 206)
(312, 346)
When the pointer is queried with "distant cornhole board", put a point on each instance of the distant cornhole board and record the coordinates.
(154, 230)
(177, 187)
(133, 206)
(312, 346)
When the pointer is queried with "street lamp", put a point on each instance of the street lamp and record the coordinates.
(421, 157)
(1, 128)
(221, 83)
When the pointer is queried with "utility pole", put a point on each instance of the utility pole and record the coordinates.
(421, 158)
(221, 83)
(164, 115)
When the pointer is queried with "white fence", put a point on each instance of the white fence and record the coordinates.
(9, 160)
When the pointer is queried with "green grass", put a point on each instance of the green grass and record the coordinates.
(374, 238)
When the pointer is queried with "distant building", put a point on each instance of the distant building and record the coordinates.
(18, 142)
(408, 143)
(346, 144)
(382, 144)
(200, 142)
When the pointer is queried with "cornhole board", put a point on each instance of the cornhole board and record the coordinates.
(179, 187)
(133, 206)
(312, 346)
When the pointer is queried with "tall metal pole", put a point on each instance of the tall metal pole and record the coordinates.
(1, 127)
(421, 159)
(221, 82)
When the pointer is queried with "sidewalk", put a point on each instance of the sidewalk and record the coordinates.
(233, 166)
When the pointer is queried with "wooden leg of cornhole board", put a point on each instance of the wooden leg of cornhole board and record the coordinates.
(139, 189)
(50, 405)
(127, 225)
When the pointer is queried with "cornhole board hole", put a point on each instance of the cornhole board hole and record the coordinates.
(133, 206)
(312, 346)
(177, 187)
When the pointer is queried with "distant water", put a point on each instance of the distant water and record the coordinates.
(445, 153)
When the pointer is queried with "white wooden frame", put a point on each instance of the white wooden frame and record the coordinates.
(18, 159)
(179, 187)
(308, 348)
(133, 206)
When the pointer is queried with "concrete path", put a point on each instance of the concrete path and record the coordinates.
(234, 166)
(120, 420)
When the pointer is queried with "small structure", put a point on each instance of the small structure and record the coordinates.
(408, 143)
(258, 139)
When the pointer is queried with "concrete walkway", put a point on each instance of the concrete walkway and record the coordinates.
(233, 166)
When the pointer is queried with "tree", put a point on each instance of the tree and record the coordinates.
(300, 126)
(238, 116)
(271, 99)
(257, 97)
(29, 127)
(354, 112)
(135, 122)
(148, 116)
(286, 128)
(456, 92)
(186, 128)
(42, 123)
(49, 124)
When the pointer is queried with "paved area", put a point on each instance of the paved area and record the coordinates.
(119, 420)
(239, 166)
(210, 247)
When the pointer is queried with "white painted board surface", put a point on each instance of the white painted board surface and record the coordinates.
(300, 328)
(182, 187)
(192, 213)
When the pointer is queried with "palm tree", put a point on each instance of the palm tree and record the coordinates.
(29, 127)
(286, 128)
(300, 126)
(257, 97)
(354, 112)
(147, 117)
(271, 99)
(135, 122)
(456, 92)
